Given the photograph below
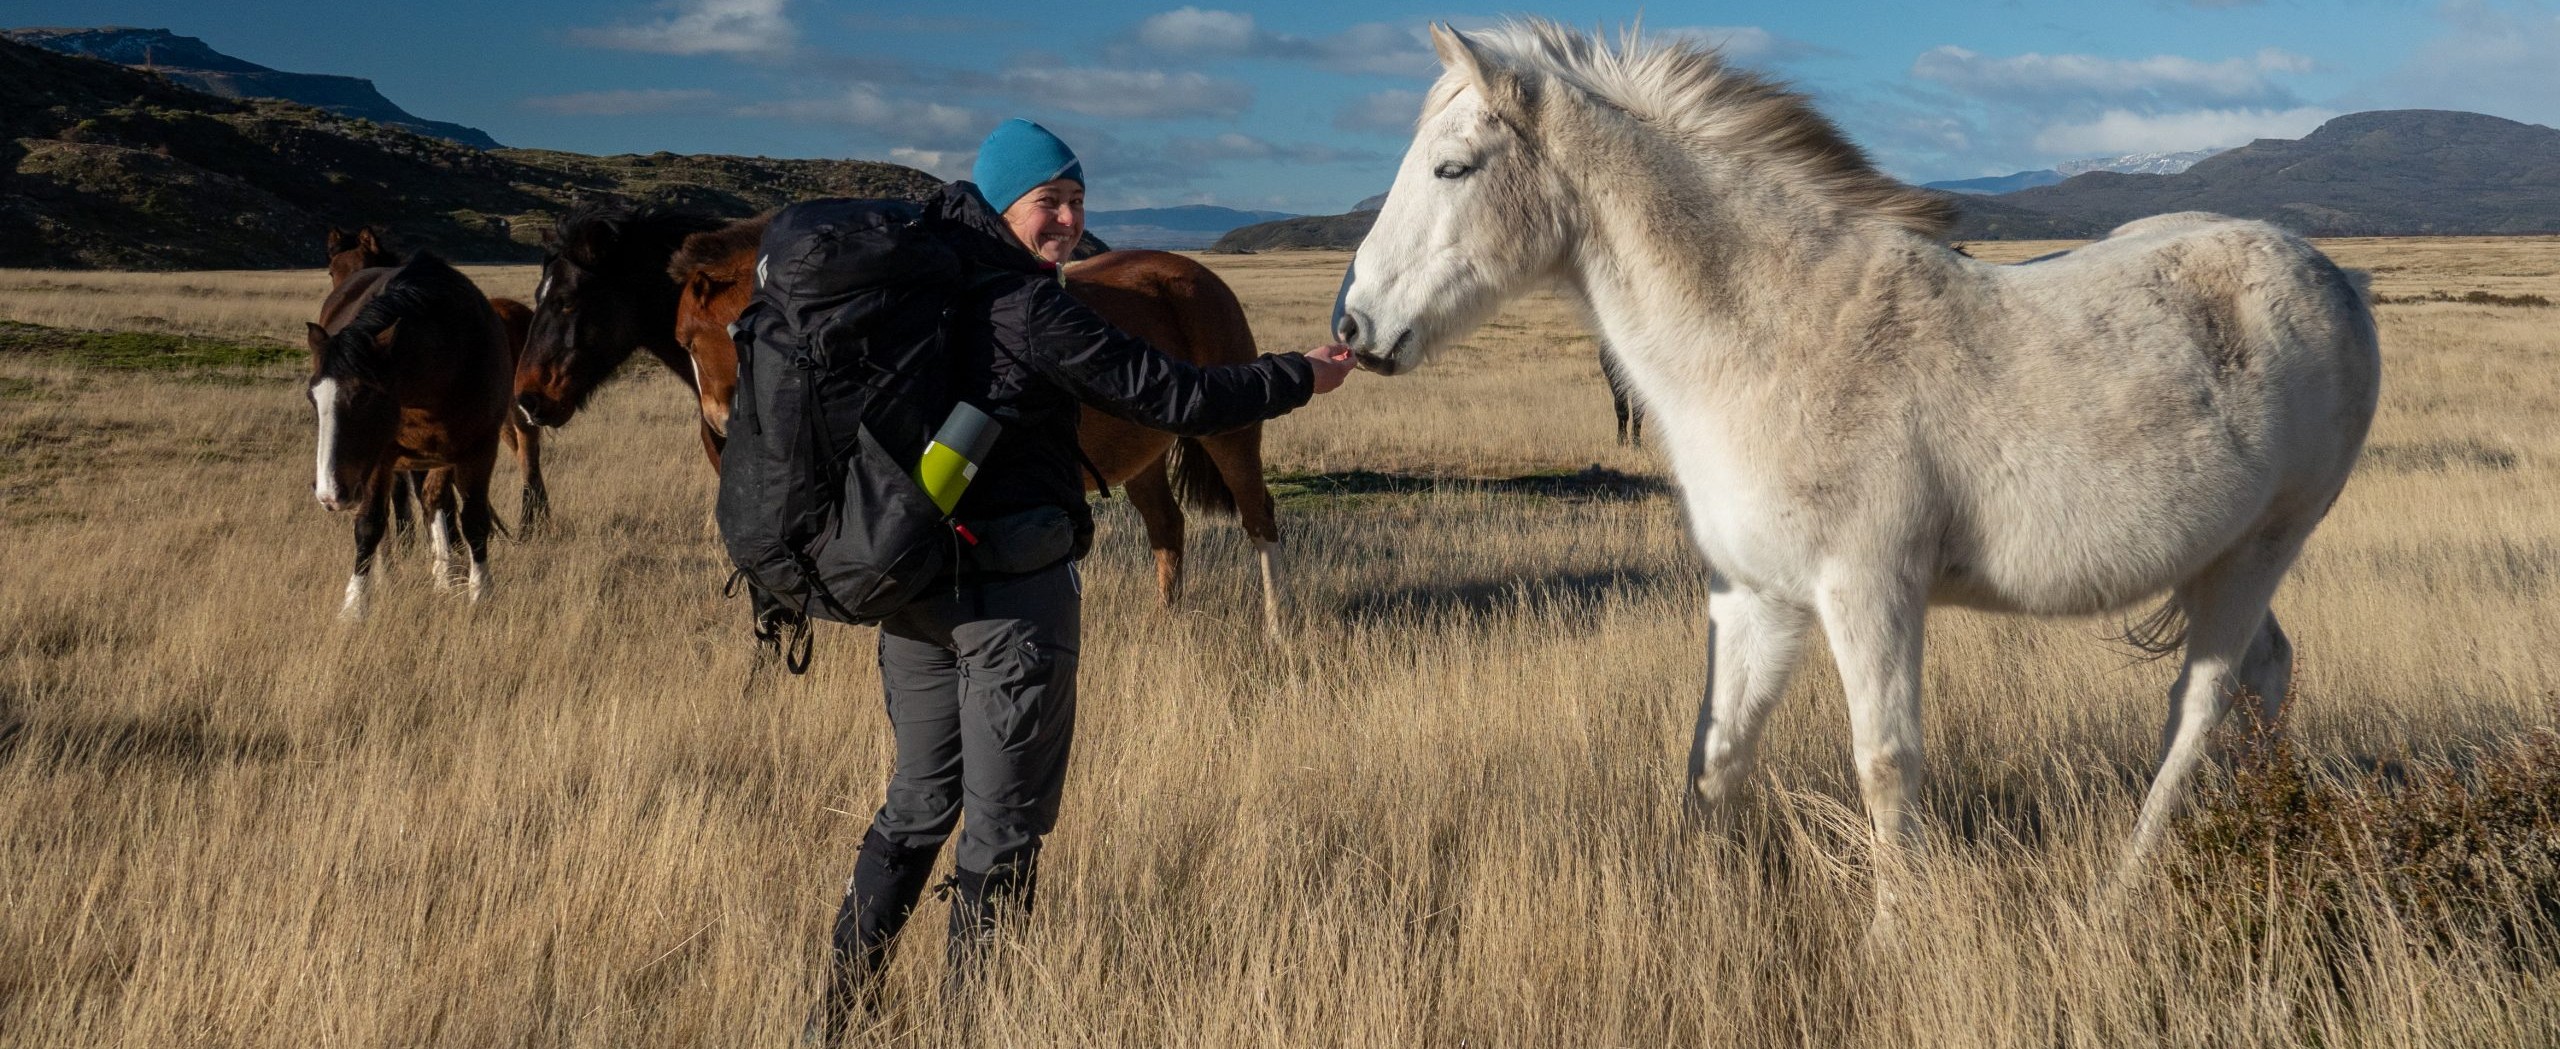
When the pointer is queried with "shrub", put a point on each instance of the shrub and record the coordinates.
(2462, 850)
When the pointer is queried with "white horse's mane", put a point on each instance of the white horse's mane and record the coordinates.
(1685, 90)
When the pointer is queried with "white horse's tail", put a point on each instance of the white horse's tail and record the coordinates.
(2162, 631)
(2362, 282)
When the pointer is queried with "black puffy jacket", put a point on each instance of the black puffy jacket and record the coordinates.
(1038, 353)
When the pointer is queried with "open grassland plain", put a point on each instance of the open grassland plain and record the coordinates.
(1443, 810)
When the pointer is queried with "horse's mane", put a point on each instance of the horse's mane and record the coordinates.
(616, 237)
(1687, 89)
(715, 247)
(426, 285)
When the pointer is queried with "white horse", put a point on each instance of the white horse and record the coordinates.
(1863, 421)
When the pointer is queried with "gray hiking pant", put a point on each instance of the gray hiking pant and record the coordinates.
(981, 687)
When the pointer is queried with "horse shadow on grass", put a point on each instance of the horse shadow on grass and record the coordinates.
(1590, 484)
(181, 742)
(1558, 594)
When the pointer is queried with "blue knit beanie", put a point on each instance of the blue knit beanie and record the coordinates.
(1016, 158)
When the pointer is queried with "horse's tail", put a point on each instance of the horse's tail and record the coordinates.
(1196, 480)
(2162, 631)
(1214, 327)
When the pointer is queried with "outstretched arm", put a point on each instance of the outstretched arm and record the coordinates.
(1125, 376)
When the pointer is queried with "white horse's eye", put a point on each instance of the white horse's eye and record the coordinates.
(1452, 169)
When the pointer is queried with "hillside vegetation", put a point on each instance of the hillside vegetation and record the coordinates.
(107, 167)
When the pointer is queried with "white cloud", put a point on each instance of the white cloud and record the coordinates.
(1741, 43)
(2172, 79)
(917, 124)
(1190, 30)
(1370, 47)
(1128, 93)
(2490, 60)
(1237, 146)
(2119, 131)
(945, 164)
(625, 103)
(702, 27)
(1385, 112)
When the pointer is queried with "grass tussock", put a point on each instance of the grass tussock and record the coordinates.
(2454, 851)
(1442, 810)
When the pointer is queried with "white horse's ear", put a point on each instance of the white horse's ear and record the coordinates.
(1505, 91)
(1457, 53)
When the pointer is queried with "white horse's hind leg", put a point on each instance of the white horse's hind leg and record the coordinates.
(1752, 650)
(2267, 673)
(2233, 645)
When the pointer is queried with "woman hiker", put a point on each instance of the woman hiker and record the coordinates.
(981, 677)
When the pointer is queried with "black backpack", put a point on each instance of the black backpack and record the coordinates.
(842, 375)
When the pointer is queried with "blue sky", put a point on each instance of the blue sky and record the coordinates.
(1305, 106)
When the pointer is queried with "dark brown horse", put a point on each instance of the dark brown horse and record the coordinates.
(1174, 303)
(409, 371)
(352, 251)
(604, 295)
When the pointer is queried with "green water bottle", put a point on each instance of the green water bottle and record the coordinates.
(951, 461)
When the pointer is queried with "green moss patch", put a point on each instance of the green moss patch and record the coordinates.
(138, 351)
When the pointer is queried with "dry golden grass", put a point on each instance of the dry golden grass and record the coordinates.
(1444, 811)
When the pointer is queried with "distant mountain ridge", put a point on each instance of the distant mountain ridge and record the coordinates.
(191, 62)
(2383, 173)
(1181, 228)
(108, 167)
(2130, 164)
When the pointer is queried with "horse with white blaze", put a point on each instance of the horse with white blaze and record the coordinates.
(1863, 421)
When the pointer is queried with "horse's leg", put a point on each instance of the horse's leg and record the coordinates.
(1618, 399)
(1876, 625)
(1753, 643)
(471, 492)
(371, 522)
(1238, 456)
(533, 510)
(403, 512)
(1152, 496)
(2233, 645)
(435, 502)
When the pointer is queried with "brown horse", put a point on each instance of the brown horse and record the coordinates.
(409, 371)
(1174, 303)
(356, 250)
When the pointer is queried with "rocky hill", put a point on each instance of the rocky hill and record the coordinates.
(108, 167)
(2410, 172)
(1306, 231)
(190, 62)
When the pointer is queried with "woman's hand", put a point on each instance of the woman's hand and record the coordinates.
(1331, 364)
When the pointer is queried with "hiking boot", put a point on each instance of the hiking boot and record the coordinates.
(887, 880)
(980, 904)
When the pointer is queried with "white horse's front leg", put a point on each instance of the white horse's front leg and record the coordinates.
(1875, 627)
(1752, 649)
